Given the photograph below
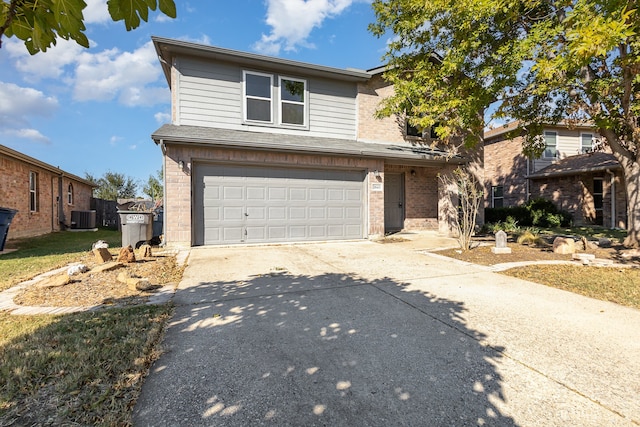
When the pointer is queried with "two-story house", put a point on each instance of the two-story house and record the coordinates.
(574, 171)
(263, 149)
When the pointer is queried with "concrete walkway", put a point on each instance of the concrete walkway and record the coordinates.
(362, 333)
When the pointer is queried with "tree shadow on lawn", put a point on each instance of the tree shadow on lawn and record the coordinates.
(330, 349)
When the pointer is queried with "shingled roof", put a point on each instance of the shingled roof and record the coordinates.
(575, 165)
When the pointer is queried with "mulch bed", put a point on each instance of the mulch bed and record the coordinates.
(90, 288)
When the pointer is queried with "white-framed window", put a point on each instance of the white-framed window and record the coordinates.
(497, 196)
(551, 144)
(70, 194)
(258, 97)
(586, 142)
(293, 104)
(33, 191)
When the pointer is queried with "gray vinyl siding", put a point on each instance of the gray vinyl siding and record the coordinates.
(210, 95)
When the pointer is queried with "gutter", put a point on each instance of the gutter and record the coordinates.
(307, 149)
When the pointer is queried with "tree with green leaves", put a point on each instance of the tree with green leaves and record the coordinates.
(113, 186)
(154, 188)
(40, 22)
(538, 61)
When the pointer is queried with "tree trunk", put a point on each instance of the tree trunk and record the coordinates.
(631, 170)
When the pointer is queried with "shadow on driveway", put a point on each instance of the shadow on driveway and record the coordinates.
(331, 349)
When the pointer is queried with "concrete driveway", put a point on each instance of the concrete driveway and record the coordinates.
(369, 334)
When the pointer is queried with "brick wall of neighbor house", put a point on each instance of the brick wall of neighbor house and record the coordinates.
(574, 194)
(178, 192)
(82, 194)
(505, 165)
(14, 194)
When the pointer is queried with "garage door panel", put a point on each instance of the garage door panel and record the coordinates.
(256, 193)
(317, 212)
(277, 213)
(233, 193)
(232, 213)
(272, 204)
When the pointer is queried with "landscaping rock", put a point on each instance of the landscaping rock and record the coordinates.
(100, 244)
(603, 242)
(102, 255)
(55, 281)
(563, 245)
(124, 276)
(139, 284)
(106, 267)
(631, 253)
(144, 251)
(587, 245)
(127, 255)
(74, 270)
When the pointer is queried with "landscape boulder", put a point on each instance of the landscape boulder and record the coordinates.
(55, 281)
(102, 255)
(127, 255)
(564, 245)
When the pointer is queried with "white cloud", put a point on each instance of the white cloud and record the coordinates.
(45, 65)
(96, 12)
(18, 106)
(114, 140)
(162, 117)
(292, 21)
(19, 101)
(126, 76)
(30, 134)
(133, 147)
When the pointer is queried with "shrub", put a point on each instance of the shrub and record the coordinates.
(536, 212)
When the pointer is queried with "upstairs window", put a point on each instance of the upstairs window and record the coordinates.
(586, 142)
(33, 191)
(70, 194)
(412, 130)
(292, 101)
(551, 144)
(258, 97)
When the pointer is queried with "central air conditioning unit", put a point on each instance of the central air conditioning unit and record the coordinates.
(83, 219)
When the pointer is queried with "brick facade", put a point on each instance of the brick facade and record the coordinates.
(179, 198)
(574, 194)
(14, 194)
(506, 166)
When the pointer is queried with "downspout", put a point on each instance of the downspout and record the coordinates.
(163, 149)
(612, 188)
(528, 182)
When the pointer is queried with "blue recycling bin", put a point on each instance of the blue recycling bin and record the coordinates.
(6, 215)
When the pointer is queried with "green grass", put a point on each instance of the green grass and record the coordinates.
(37, 255)
(619, 285)
(77, 369)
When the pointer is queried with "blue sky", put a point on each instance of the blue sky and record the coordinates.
(93, 110)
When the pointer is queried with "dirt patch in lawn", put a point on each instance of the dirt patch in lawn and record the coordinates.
(103, 287)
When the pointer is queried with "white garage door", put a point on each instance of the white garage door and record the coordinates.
(239, 204)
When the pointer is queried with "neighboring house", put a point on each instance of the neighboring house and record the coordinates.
(262, 149)
(44, 196)
(574, 171)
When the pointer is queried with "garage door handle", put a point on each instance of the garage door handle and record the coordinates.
(246, 214)
(399, 205)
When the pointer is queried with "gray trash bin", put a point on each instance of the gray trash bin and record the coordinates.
(6, 215)
(137, 227)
